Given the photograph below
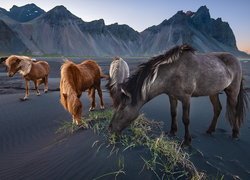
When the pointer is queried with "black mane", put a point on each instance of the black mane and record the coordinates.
(135, 82)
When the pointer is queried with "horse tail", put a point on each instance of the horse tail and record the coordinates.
(242, 105)
(104, 76)
(69, 90)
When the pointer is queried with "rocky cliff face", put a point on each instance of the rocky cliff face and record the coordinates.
(196, 28)
(10, 41)
(217, 29)
(60, 32)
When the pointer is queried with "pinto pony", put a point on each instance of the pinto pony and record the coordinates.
(36, 71)
(182, 74)
(118, 73)
(76, 78)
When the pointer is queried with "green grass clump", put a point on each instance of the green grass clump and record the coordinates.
(167, 158)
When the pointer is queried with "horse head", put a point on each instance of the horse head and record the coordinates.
(124, 113)
(21, 64)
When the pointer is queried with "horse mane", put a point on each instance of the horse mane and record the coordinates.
(25, 63)
(141, 79)
(70, 80)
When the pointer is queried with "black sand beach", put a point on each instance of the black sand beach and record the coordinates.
(31, 149)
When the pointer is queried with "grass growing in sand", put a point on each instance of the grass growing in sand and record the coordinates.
(167, 160)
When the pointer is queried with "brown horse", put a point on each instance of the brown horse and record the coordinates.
(36, 71)
(76, 78)
(182, 74)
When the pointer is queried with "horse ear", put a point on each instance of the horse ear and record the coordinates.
(25, 66)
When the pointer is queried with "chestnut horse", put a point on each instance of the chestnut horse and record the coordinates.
(118, 73)
(36, 71)
(76, 78)
(182, 74)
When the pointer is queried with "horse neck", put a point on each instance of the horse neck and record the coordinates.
(149, 95)
(152, 89)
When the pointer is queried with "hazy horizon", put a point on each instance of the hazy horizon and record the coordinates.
(142, 14)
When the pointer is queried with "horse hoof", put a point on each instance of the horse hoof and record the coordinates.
(102, 107)
(209, 132)
(45, 91)
(172, 133)
(23, 99)
(187, 141)
(235, 134)
(91, 109)
(38, 94)
(186, 144)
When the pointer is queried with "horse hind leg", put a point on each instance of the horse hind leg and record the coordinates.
(91, 94)
(45, 80)
(36, 83)
(217, 110)
(232, 98)
(99, 90)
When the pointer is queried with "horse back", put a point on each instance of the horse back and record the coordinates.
(91, 68)
(216, 72)
(41, 67)
(38, 70)
(228, 59)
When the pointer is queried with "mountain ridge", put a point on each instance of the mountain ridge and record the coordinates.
(60, 32)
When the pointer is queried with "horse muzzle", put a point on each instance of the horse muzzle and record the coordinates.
(113, 130)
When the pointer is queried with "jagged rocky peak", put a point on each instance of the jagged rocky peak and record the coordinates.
(59, 15)
(97, 26)
(123, 32)
(4, 11)
(25, 13)
(98, 23)
(202, 15)
(190, 13)
(179, 17)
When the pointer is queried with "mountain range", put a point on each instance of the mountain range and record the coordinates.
(31, 30)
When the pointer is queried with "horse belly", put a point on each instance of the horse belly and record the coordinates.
(207, 88)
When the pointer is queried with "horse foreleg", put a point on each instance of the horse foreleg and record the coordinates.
(173, 103)
(217, 109)
(100, 96)
(36, 83)
(26, 90)
(185, 119)
(77, 111)
(92, 98)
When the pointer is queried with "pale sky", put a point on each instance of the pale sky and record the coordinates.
(141, 14)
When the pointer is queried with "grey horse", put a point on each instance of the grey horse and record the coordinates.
(118, 73)
(182, 74)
